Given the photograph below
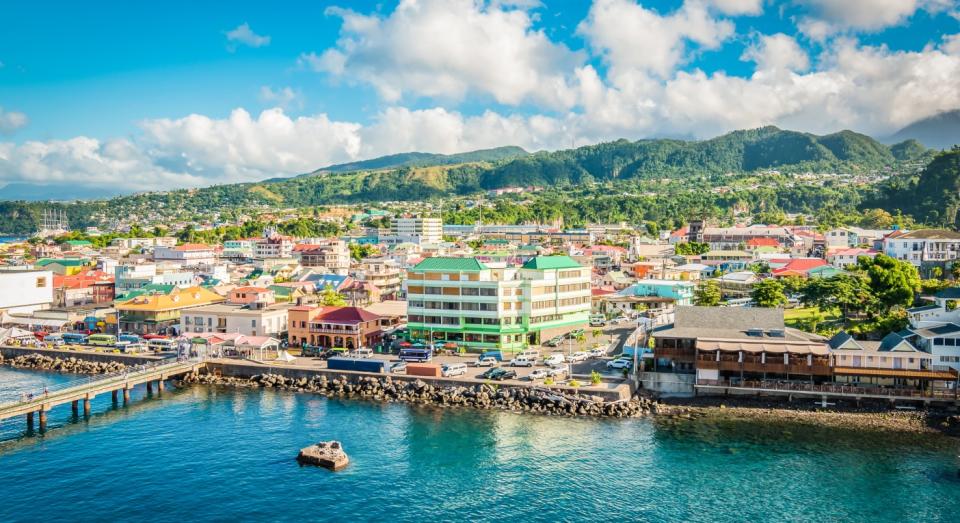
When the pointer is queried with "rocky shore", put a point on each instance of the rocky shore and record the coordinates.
(866, 416)
(73, 365)
(481, 396)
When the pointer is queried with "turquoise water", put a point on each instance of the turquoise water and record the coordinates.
(219, 454)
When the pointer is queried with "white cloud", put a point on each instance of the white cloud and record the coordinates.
(242, 34)
(778, 52)
(738, 7)
(448, 49)
(951, 44)
(285, 98)
(11, 121)
(631, 37)
(829, 17)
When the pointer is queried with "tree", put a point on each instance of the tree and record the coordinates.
(707, 294)
(360, 251)
(691, 248)
(760, 267)
(893, 282)
(850, 292)
(768, 293)
(331, 298)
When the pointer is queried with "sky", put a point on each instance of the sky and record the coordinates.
(163, 95)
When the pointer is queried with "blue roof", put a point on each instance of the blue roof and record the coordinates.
(321, 281)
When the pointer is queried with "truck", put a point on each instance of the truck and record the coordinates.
(357, 364)
(430, 370)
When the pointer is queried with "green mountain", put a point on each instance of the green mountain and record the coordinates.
(933, 197)
(940, 131)
(415, 159)
(419, 176)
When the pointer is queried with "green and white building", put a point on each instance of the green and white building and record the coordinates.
(492, 306)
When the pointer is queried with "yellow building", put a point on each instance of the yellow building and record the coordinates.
(160, 313)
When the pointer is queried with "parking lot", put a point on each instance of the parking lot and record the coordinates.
(611, 339)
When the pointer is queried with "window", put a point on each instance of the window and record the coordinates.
(253, 323)
(41, 282)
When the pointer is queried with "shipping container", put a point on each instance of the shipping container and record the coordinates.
(431, 370)
(357, 364)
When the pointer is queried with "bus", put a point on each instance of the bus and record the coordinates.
(162, 344)
(74, 338)
(103, 340)
(416, 354)
(132, 338)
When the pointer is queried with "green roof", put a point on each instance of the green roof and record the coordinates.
(66, 262)
(440, 263)
(78, 243)
(551, 262)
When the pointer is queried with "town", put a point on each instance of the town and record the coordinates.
(777, 310)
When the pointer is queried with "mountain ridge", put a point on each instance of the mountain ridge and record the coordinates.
(940, 131)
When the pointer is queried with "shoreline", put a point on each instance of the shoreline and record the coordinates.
(547, 401)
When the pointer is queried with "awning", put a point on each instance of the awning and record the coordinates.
(897, 373)
(765, 346)
(40, 322)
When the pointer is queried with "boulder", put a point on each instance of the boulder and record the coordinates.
(327, 454)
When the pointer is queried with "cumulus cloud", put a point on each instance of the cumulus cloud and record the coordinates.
(285, 97)
(449, 49)
(738, 7)
(778, 52)
(632, 37)
(11, 121)
(242, 34)
(828, 17)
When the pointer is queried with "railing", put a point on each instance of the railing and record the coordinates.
(792, 386)
(52, 392)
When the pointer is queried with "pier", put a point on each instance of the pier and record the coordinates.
(35, 406)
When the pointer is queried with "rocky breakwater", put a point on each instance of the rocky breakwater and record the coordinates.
(74, 365)
(480, 396)
(327, 454)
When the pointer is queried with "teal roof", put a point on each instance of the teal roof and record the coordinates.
(551, 262)
(66, 262)
(440, 263)
(824, 271)
(78, 243)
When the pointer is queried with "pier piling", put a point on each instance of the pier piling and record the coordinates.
(86, 406)
(29, 421)
(75, 407)
(149, 387)
(126, 395)
(43, 420)
(113, 395)
(159, 385)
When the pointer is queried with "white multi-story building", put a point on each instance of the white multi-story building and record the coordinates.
(137, 276)
(417, 230)
(332, 254)
(923, 246)
(273, 246)
(479, 306)
(144, 243)
(249, 319)
(238, 249)
(186, 254)
(25, 291)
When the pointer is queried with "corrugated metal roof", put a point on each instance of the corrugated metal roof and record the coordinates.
(442, 263)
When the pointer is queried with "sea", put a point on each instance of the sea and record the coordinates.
(11, 239)
(205, 453)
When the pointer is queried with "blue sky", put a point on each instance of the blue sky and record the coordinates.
(115, 82)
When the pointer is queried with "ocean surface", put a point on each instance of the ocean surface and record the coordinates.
(219, 454)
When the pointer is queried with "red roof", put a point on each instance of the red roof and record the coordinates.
(82, 280)
(192, 247)
(763, 242)
(597, 291)
(800, 265)
(347, 315)
(251, 289)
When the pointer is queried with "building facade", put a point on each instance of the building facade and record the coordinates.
(464, 301)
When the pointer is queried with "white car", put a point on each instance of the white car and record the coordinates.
(579, 356)
(554, 360)
(453, 369)
(523, 361)
(538, 374)
(619, 363)
(557, 371)
(598, 352)
(489, 361)
(363, 353)
(399, 367)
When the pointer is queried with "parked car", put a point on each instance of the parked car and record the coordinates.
(538, 374)
(487, 361)
(572, 335)
(597, 320)
(504, 375)
(556, 371)
(620, 363)
(597, 352)
(364, 353)
(579, 356)
(554, 360)
(398, 367)
(523, 361)
(453, 369)
(554, 341)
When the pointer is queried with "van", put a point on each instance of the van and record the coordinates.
(364, 353)
(453, 369)
(530, 353)
(523, 361)
(597, 320)
(554, 360)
